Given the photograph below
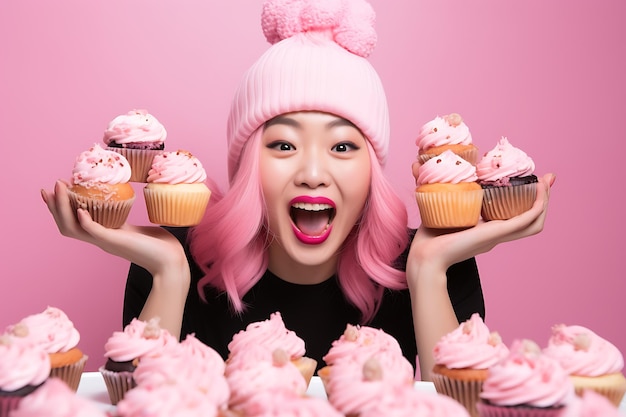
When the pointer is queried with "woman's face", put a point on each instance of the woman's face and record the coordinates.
(315, 174)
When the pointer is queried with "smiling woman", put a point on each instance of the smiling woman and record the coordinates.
(309, 227)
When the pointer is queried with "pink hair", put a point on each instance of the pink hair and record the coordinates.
(230, 243)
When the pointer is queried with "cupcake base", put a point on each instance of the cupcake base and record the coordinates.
(467, 152)
(612, 386)
(176, 204)
(69, 373)
(446, 206)
(463, 385)
(117, 383)
(111, 212)
(504, 202)
(140, 161)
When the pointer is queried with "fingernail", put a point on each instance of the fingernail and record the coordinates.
(43, 195)
(552, 180)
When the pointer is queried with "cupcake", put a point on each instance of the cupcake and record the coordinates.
(56, 399)
(444, 133)
(176, 194)
(525, 383)
(357, 341)
(139, 136)
(125, 349)
(55, 333)
(266, 336)
(408, 402)
(592, 362)
(462, 360)
(447, 193)
(23, 369)
(353, 386)
(506, 175)
(100, 185)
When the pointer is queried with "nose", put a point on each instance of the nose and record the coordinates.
(314, 170)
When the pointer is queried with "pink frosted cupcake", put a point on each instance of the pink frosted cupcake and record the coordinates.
(266, 336)
(248, 379)
(446, 133)
(100, 185)
(139, 136)
(54, 332)
(23, 368)
(526, 383)
(165, 401)
(125, 349)
(592, 362)
(408, 402)
(176, 193)
(354, 385)
(192, 364)
(447, 193)
(463, 358)
(506, 175)
(55, 399)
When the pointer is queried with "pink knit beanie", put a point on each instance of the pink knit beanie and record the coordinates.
(317, 61)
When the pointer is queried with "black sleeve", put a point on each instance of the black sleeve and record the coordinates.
(139, 283)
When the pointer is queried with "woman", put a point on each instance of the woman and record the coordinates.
(309, 226)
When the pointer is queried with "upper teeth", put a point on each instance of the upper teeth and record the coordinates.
(312, 207)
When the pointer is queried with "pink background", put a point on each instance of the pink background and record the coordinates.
(547, 74)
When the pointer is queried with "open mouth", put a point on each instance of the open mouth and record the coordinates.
(312, 219)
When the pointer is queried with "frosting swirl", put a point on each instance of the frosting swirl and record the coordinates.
(22, 365)
(503, 162)
(179, 167)
(527, 377)
(471, 345)
(139, 339)
(446, 130)
(100, 166)
(136, 126)
(165, 401)
(447, 168)
(582, 352)
(51, 330)
(286, 404)
(360, 340)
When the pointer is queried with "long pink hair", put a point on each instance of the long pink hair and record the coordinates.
(230, 243)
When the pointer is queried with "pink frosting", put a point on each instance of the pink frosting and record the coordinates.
(21, 365)
(446, 168)
(447, 130)
(591, 404)
(582, 352)
(139, 339)
(408, 402)
(278, 375)
(51, 329)
(270, 334)
(100, 166)
(471, 345)
(192, 364)
(165, 401)
(288, 404)
(355, 385)
(361, 340)
(136, 126)
(55, 399)
(503, 162)
(179, 167)
(527, 377)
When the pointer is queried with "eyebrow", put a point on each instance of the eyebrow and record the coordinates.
(285, 120)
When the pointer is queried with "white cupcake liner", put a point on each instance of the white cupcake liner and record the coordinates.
(176, 204)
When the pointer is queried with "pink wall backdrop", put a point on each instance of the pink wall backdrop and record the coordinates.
(549, 75)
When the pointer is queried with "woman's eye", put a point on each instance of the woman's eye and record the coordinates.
(344, 147)
(281, 146)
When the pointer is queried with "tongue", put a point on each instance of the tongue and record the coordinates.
(311, 223)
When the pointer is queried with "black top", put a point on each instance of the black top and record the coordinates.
(317, 313)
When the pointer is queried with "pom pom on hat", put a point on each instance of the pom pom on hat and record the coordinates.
(316, 63)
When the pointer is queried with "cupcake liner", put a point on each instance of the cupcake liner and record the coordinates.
(176, 204)
(140, 161)
(306, 366)
(449, 209)
(70, 374)
(502, 203)
(489, 410)
(111, 214)
(613, 394)
(466, 392)
(8, 403)
(117, 383)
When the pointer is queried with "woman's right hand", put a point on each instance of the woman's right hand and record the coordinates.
(150, 247)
